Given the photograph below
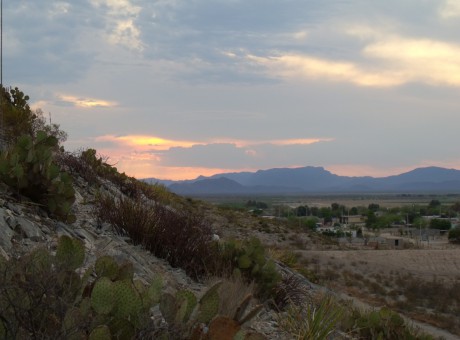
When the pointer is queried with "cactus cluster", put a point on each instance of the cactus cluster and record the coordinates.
(250, 261)
(200, 320)
(29, 167)
(225, 327)
(121, 303)
(43, 296)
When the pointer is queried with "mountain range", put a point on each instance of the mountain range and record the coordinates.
(315, 180)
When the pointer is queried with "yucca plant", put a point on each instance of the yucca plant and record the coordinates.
(313, 321)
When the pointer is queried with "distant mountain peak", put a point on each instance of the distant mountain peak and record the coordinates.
(315, 179)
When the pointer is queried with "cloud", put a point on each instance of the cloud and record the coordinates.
(159, 143)
(142, 142)
(84, 102)
(121, 28)
(47, 44)
(236, 154)
(294, 66)
(387, 61)
(450, 9)
(419, 60)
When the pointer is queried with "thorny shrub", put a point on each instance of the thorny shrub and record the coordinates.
(183, 239)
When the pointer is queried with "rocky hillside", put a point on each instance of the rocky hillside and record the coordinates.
(25, 226)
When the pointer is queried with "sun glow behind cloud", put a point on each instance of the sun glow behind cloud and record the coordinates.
(86, 102)
(150, 156)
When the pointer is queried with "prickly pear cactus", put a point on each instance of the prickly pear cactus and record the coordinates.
(209, 304)
(101, 332)
(2, 330)
(121, 329)
(70, 252)
(106, 267)
(168, 307)
(73, 319)
(188, 307)
(29, 167)
(102, 296)
(244, 262)
(126, 271)
(153, 293)
(38, 261)
(128, 303)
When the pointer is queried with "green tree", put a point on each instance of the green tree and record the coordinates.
(434, 203)
(373, 207)
(301, 211)
(371, 219)
(455, 207)
(51, 129)
(437, 223)
(18, 118)
(454, 235)
(310, 223)
(353, 211)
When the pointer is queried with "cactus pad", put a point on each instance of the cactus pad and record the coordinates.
(189, 297)
(70, 252)
(106, 267)
(128, 302)
(121, 329)
(101, 332)
(244, 262)
(209, 304)
(126, 271)
(102, 296)
(168, 307)
(154, 291)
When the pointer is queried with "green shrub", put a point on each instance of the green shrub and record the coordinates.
(29, 168)
(380, 324)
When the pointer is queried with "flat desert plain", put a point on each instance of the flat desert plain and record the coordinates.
(423, 263)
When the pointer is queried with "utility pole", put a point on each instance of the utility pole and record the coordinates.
(2, 132)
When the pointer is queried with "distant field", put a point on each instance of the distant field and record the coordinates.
(351, 200)
(422, 263)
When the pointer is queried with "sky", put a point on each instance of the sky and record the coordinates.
(174, 89)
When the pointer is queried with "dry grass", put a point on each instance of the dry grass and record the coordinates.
(232, 291)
